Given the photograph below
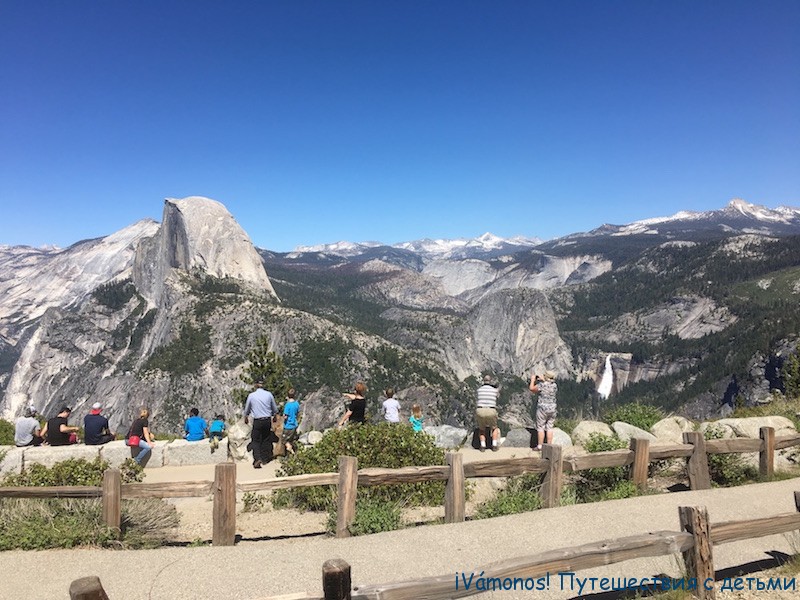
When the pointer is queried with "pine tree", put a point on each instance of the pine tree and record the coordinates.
(267, 367)
(790, 372)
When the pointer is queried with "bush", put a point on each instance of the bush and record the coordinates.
(727, 469)
(38, 524)
(6, 433)
(608, 482)
(521, 494)
(643, 416)
(373, 515)
(254, 502)
(383, 445)
(74, 471)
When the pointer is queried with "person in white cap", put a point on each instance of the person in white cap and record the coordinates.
(95, 427)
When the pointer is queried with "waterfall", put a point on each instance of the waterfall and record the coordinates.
(607, 380)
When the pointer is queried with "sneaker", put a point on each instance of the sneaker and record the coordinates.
(538, 448)
(483, 448)
(495, 448)
(256, 464)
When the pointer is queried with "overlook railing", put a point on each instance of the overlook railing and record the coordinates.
(552, 465)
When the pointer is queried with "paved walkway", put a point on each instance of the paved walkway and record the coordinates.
(253, 570)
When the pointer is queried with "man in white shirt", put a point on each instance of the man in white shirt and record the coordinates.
(486, 413)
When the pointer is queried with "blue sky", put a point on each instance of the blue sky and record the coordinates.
(317, 121)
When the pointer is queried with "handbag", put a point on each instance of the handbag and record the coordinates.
(134, 440)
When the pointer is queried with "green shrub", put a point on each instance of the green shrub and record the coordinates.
(596, 482)
(727, 469)
(254, 502)
(373, 515)
(382, 445)
(74, 471)
(622, 489)
(521, 494)
(6, 433)
(38, 524)
(643, 416)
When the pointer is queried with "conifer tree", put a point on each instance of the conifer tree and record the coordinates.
(266, 366)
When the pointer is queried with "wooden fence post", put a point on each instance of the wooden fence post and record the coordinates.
(766, 458)
(454, 496)
(699, 558)
(87, 588)
(336, 580)
(112, 497)
(699, 477)
(224, 531)
(346, 500)
(641, 462)
(553, 478)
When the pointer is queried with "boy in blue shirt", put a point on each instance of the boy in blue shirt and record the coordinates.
(216, 431)
(290, 411)
(195, 427)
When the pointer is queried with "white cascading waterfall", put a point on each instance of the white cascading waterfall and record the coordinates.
(607, 381)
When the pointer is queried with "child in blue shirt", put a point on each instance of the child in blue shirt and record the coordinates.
(216, 431)
(416, 417)
(195, 426)
(290, 411)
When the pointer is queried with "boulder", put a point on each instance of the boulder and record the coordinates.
(117, 452)
(50, 455)
(12, 460)
(582, 431)
(238, 440)
(561, 438)
(670, 430)
(626, 431)
(313, 437)
(520, 438)
(727, 430)
(447, 436)
(749, 427)
(179, 453)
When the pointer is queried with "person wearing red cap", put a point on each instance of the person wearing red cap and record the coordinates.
(95, 427)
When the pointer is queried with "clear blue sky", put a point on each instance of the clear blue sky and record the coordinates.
(316, 121)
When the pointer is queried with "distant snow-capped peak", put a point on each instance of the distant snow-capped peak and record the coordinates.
(434, 248)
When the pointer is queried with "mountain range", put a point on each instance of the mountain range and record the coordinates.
(693, 309)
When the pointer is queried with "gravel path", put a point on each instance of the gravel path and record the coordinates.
(254, 570)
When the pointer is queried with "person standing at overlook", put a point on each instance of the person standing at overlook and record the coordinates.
(486, 414)
(261, 405)
(356, 410)
(546, 408)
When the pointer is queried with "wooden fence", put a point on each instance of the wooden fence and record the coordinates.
(695, 541)
(552, 465)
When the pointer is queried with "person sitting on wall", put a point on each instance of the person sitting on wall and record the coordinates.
(57, 432)
(27, 430)
(195, 427)
(96, 430)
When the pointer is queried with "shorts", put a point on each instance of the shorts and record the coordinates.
(545, 416)
(486, 417)
(290, 436)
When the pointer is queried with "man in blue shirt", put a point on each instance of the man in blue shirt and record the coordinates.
(195, 427)
(261, 405)
(95, 427)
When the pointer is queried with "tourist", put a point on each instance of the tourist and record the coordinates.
(195, 427)
(27, 430)
(57, 432)
(261, 405)
(547, 389)
(486, 414)
(96, 430)
(216, 431)
(416, 417)
(139, 436)
(356, 410)
(391, 407)
(291, 410)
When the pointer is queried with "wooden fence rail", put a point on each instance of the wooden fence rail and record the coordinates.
(695, 542)
(551, 465)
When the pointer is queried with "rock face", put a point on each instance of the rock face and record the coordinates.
(670, 430)
(77, 346)
(197, 234)
(584, 429)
